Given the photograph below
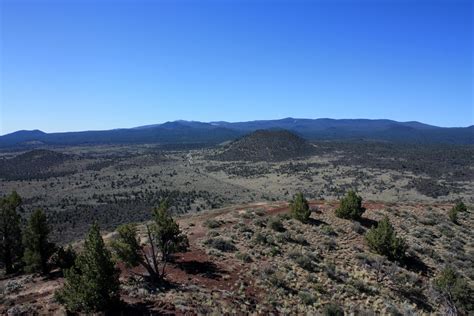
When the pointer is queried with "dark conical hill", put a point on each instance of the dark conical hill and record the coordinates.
(267, 145)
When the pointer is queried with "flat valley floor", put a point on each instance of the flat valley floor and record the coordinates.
(119, 184)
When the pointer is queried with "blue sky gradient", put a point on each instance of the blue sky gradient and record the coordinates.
(83, 65)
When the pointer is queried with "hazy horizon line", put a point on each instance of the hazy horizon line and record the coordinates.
(229, 121)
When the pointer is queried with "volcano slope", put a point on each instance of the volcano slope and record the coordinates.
(267, 145)
(241, 262)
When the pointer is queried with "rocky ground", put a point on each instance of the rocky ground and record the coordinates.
(254, 259)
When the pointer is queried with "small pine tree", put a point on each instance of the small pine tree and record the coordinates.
(455, 290)
(164, 239)
(453, 215)
(300, 208)
(92, 284)
(167, 233)
(127, 246)
(455, 210)
(460, 207)
(11, 249)
(384, 241)
(350, 207)
(38, 249)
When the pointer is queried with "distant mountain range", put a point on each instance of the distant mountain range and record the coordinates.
(192, 132)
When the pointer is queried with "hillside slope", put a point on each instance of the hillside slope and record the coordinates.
(290, 268)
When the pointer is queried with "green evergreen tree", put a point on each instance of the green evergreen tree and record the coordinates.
(38, 249)
(127, 247)
(457, 293)
(11, 249)
(453, 215)
(460, 207)
(166, 232)
(164, 239)
(350, 206)
(299, 208)
(384, 241)
(455, 210)
(92, 284)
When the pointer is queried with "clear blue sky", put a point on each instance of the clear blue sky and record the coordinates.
(77, 65)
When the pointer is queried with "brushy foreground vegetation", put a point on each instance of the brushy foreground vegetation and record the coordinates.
(286, 258)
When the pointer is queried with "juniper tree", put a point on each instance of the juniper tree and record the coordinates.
(300, 208)
(350, 206)
(92, 284)
(455, 210)
(457, 293)
(166, 232)
(460, 207)
(11, 249)
(384, 241)
(164, 238)
(38, 249)
(453, 215)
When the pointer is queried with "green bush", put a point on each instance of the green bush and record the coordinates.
(384, 241)
(276, 224)
(307, 298)
(328, 230)
(362, 287)
(212, 223)
(455, 210)
(460, 207)
(333, 309)
(260, 222)
(277, 279)
(304, 262)
(260, 239)
(284, 237)
(300, 208)
(331, 271)
(274, 251)
(455, 290)
(213, 233)
(221, 244)
(350, 207)
(245, 257)
(300, 240)
(453, 215)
